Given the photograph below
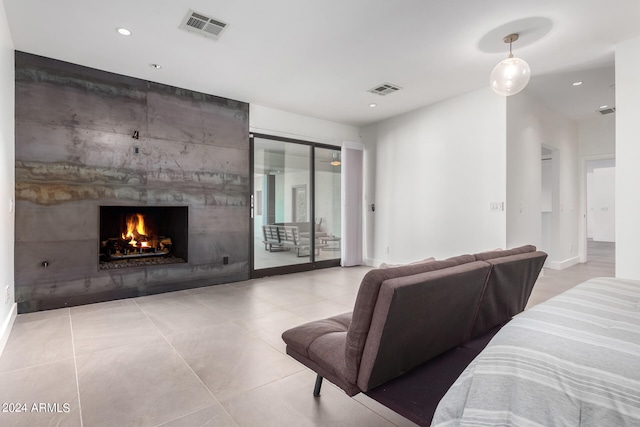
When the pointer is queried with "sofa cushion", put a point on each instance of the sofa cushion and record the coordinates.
(418, 317)
(484, 256)
(302, 337)
(385, 265)
(366, 300)
(507, 290)
(321, 345)
(461, 259)
(328, 351)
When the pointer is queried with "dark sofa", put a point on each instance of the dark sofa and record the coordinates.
(405, 316)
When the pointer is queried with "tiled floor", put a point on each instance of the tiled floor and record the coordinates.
(600, 263)
(205, 357)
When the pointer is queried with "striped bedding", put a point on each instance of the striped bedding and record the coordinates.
(572, 360)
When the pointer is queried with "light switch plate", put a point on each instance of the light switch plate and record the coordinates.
(496, 206)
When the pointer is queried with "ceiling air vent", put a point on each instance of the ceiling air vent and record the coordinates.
(607, 110)
(203, 25)
(384, 89)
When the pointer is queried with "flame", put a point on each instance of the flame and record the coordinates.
(135, 230)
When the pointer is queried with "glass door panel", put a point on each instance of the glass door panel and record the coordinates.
(327, 203)
(282, 204)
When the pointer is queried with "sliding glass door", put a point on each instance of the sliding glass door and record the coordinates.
(327, 173)
(295, 205)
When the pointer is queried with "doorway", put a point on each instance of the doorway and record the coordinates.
(600, 210)
(296, 205)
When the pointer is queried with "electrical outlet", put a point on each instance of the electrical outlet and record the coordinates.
(225, 260)
(6, 294)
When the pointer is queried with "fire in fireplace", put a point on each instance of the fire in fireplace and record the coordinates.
(137, 236)
(137, 241)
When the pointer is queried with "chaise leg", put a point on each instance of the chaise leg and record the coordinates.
(316, 389)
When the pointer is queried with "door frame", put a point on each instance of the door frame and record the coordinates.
(582, 235)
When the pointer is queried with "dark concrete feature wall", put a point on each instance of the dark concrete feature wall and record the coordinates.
(75, 152)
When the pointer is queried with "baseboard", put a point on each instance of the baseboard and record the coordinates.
(372, 262)
(7, 326)
(561, 265)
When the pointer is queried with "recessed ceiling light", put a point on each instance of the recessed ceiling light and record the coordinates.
(156, 66)
(578, 83)
(124, 32)
(373, 105)
(604, 106)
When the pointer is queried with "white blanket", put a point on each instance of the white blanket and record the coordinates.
(572, 360)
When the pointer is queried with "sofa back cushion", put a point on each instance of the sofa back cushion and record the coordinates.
(366, 300)
(417, 317)
(508, 289)
(422, 261)
(485, 256)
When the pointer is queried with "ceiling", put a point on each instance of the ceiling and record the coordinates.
(319, 58)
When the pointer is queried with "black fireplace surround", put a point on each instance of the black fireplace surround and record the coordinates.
(137, 236)
(74, 154)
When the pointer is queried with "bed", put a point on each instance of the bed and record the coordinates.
(572, 360)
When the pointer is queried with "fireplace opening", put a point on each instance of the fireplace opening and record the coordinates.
(134, 236)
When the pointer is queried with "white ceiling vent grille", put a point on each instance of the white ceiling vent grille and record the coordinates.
(384, 89)
(607, 110)
(203, 25)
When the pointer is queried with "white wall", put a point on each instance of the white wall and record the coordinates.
(436, 171)
(281, 123)
(529, 126)
(627, 159)
(597, 137)
(7, 180)
(524, 172)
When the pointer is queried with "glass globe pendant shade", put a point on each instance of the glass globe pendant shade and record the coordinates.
(510, 76)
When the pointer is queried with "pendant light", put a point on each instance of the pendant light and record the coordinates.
(511, 75)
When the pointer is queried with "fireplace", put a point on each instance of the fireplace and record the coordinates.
(135, 236)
